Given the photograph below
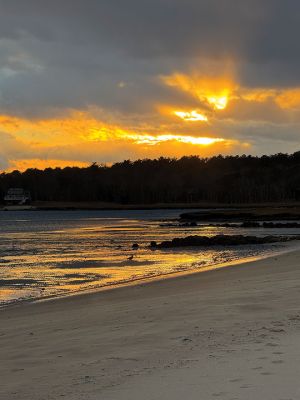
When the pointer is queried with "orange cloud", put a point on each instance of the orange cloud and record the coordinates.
(63, 131)
(212, 92)
(215, 94)
(285, 98)
(81, 127)
(79, 138)
(23, 164)
(257, 95)
(179, 149)
(289, 99)
(191, 116)
(153, 140)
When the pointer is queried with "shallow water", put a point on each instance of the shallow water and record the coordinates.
(56, 253)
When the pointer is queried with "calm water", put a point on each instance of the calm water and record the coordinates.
(56, 253)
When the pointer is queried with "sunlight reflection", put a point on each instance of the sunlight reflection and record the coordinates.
(43, 257)
(193, 115)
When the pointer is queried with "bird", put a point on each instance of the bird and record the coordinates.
(131, 257)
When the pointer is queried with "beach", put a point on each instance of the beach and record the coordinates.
(231, 333)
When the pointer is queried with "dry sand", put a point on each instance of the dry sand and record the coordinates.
(228, 334)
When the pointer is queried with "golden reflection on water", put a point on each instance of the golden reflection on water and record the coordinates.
(6, 293)
(57, 254)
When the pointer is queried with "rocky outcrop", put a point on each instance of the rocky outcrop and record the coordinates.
(281, 225)
(245, 224)
(254, 224)
(220, 240)
(242, 215)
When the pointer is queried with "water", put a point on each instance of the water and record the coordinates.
(56, 253)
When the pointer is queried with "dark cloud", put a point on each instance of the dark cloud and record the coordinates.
(72, 53)
(257, 28)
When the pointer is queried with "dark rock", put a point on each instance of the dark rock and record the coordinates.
(168, 225)
(135, 246)
(240, 215)
(189, 224)
(281, 225)
(183, 224)
(222, 240)
(226, 225)
(250, 224)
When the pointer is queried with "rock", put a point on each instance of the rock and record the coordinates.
(281, 225)
(189, 224)
(135, 246)
(221, 240)
(250, 224)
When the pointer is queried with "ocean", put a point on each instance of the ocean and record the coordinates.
(46, 254)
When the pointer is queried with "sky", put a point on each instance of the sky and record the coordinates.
(85, 81)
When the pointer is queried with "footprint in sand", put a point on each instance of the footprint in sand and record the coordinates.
(262, 335)
(277, 330)
(256, 368)
(235, 380)
(266, 373)
(277, 362)
(278, 323)
(278, 352)
(294, 318)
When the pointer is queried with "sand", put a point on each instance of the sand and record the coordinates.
(226, 334)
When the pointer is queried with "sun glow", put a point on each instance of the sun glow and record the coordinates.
(212, 92)
(192, 116)
(78, 138)
(219, 103)
(153, 140)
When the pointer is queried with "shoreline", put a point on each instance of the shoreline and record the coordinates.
(286, 248)
(100, 206)
(226, 333)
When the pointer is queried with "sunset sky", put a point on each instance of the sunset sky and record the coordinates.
(108, 80)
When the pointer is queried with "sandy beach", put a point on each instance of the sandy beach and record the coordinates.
(226, 334)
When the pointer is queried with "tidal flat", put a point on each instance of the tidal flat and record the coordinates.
(40, 251)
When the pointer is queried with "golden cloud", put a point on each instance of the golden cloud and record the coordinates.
(23, 164)
(79, 127)
(79, 138)
(212, 92)
(191, 116)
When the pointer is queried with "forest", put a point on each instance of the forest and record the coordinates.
(219, 179)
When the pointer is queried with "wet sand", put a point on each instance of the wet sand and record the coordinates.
(227, 334)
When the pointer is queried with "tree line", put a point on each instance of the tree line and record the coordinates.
(219, 179)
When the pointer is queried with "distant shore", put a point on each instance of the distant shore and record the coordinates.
(291, 207)
(233, 330)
